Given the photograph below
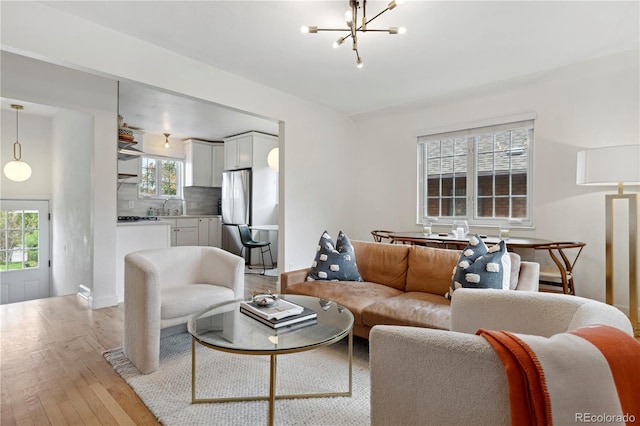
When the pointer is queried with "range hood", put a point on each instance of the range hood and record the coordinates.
(126, 151)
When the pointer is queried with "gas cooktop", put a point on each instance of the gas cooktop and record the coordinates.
(135, 218)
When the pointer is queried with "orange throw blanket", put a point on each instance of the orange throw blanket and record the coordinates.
(591, 375)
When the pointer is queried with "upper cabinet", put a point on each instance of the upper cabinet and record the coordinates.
(238, 152)
(241, 150)
(204, 163)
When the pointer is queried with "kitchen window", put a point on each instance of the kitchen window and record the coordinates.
(160, 178)
(481, 174)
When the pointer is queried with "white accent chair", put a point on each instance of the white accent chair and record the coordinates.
(163, 288)
(427, 376)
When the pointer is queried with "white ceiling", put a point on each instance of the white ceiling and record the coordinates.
(450, 46)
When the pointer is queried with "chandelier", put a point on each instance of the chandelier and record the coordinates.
(351, 17)
(17, 170)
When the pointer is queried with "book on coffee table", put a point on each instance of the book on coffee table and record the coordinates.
(305, 315)
(279, 310)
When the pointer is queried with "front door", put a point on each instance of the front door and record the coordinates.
(24, 250)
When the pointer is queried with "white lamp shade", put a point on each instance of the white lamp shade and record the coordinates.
(17, 171)
(609, 166)
(273, 159)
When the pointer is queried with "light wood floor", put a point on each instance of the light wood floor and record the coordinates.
(52, 368)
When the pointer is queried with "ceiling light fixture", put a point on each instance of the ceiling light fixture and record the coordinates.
(351, 18)
(17, 170)
(166, 140)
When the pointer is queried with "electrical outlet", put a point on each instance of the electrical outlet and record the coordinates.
(130, 204)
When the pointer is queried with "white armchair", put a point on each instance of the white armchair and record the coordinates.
(165, 287)
(425, 376)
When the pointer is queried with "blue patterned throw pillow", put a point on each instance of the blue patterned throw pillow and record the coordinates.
(334, 262)
(481, 267)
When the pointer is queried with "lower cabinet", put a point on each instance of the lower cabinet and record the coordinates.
(203, 231)
(209, 231)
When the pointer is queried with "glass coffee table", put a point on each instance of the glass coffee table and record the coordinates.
(223, 327)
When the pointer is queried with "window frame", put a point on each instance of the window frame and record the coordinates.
(179, 178)
(472, 177)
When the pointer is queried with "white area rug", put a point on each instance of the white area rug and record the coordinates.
(167, 392)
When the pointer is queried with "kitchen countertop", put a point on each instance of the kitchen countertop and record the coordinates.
(162, 220)
(144, 223)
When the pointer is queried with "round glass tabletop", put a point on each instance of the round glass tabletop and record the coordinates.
(226, 328)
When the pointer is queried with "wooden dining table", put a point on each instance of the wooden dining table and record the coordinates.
(448, 239)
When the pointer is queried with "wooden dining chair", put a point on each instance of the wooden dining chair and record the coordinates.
(382, 236)
(560, 274)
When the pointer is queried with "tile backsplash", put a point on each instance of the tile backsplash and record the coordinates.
(197, 201)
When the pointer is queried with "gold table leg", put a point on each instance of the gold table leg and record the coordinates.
(272, 397)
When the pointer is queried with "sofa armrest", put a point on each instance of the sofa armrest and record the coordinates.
(529, 276)
(141, 340)
(292, 277)
(421, 376)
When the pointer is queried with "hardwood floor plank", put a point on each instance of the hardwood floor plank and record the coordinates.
(114, 408)
(53, 370)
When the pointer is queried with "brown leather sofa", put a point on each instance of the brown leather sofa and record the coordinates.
(402, 285)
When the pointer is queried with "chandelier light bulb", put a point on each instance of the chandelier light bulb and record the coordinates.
(166, 140)
(17, 171)
(338, 42)
(402, 30)
(359, 63)
(308, 30)
(348, 17)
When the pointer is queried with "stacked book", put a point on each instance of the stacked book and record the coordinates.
(281, 314)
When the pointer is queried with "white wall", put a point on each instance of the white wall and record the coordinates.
(315, 142)
(72, 235)
(587, 105)
(52, 85)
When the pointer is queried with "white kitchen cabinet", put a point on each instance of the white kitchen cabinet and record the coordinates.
(184, 232)
(209, 231)
(203, 231)
(215, 231)
(238, 152)
(204, 163)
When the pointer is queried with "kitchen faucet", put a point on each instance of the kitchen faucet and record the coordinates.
(164, 210)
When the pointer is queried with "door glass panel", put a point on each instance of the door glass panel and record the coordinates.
(19, 248)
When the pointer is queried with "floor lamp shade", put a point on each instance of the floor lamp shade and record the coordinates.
(609, 166)
(616, 165)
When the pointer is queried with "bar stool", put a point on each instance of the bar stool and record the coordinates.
(249, 243)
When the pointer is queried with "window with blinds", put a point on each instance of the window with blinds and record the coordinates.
(480, 174)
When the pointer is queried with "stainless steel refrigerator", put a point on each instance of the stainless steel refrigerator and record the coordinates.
(236, 207)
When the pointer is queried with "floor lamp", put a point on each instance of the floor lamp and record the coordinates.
(616, 165)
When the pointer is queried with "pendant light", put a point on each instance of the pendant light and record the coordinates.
(166, 140)
(16, 169)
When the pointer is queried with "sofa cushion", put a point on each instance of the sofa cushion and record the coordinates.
(355, 296)
(490, 270)
(430, 269)
(334, 261)
(176, 302)
(416, 309)
(383, 263)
